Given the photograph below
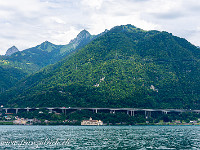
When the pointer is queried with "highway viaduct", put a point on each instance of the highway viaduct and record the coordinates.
(129, 111)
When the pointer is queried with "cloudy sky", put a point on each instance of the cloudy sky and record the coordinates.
(27, 23)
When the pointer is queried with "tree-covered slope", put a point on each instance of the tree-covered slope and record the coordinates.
(33, 59)
(9, 76)
(125, 67)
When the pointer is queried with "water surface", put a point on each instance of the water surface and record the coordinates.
(99, 137)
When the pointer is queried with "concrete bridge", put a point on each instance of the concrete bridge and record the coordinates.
(129, 111)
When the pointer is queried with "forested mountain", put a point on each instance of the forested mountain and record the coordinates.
(33, 59)
(125, 67)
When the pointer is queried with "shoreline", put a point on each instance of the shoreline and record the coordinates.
(11, 124)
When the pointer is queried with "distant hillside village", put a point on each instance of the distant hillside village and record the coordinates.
(25, 121)
(22, 121)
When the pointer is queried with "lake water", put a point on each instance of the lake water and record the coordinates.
(99, 137)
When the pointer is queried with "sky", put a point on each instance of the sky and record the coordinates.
(27, 23)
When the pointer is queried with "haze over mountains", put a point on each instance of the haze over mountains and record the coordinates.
(123, 67)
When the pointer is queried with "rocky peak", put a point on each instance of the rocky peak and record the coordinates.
(82, 36)
(46, 46)
(11, 51)
(46, 43)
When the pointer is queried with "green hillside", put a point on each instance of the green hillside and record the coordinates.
(9, 76)
(33, 59)
(125, 67)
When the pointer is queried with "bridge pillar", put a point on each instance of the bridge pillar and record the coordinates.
(127, 112)
(50, 110)
(132, 112)
(16, 110)
(6, 110)
(65, 111)
(112, 111)
(164, 112)
(96, 111)
(147, 114)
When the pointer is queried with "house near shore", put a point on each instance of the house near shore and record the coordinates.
(91, 122)
(20, 121)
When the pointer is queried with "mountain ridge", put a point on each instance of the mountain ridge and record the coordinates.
(49, 52)
(33, 59)
(125, 67)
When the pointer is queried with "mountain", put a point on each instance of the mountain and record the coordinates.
(33, 59)
(124, 67)
(11, 51)
(83, 37)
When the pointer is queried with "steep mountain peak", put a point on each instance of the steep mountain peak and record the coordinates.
(46, 46)
(47, 43)
(82, 36)
(11, 51)
(84, 32)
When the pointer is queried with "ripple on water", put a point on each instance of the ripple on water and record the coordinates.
(99, 137)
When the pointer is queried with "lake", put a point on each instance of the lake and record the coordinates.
(99, 137)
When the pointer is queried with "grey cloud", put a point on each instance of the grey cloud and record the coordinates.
(41, 23)
(8, 37)
(144, 0)
(168, 15)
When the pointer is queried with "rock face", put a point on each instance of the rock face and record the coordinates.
(83, 37)
(11, 51)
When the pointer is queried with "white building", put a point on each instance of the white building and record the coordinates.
(20, 121)
(91, 122)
